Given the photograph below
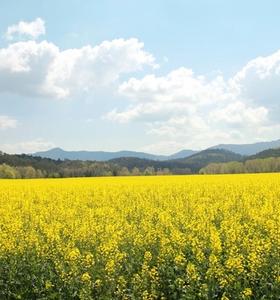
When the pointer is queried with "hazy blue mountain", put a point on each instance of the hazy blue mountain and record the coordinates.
(182, 154)
(248, 149)
(242, 149)
(58, 153)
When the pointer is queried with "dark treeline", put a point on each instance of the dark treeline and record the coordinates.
(205, 162)
(26, 166)
(260, 165)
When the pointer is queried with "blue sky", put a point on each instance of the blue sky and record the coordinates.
(155, 76)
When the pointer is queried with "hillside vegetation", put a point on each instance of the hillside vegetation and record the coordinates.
(26, 166)
(266, 153)
(263, 162)
(208, 161)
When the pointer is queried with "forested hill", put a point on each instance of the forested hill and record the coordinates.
(27, 166)
(263, 162)
(266, 154)
(191, 164)
(197, 161)
(23, 160)
(206, 161)
(30, 166)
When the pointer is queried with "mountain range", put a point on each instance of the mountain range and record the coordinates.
(242, 149)
(248, 149)
(190, 164)
(75, 168)
(29, 166)
(58, 153)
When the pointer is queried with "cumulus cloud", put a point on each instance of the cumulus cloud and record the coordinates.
(237, 113)
(23, 29)
(89, 68)
(24, 67)
(184, 106)
(27, 146)
(42, 69)
(259, 80)
(179, 92)
(179, 85)
(7, 122)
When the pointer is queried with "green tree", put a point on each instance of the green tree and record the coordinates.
(149, 171)
(135, 172)
(8, 172)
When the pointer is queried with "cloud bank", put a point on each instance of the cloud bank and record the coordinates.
(179, 108)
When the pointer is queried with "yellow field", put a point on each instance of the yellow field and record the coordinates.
(173, 237)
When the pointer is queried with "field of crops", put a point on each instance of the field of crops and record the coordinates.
(169, 237)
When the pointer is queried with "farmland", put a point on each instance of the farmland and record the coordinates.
(164, 237)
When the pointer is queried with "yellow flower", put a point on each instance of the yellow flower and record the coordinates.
(180, 260)
(86, 277)
(191, 271)
(235, 263)
(97, 283)
(148, 256)
(110, 266)
(223, 282)
(154, 274)
(48, 284)
(224, 297)
(89, 261)
(247, 292)
(74, 254)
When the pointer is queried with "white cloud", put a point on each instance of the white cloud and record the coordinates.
(180, 85)
(179, 92)
(24, 67)
(201, 111)
(27, 146)
(26, 29)
(7, 122)
(89, 68)
(259, 81)
(42, 69)
(237, 113)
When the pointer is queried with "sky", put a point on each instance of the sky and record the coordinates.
(154, 76)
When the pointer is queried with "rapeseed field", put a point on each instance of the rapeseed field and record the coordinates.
(164, 237)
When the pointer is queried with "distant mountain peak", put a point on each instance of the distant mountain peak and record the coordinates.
(56, 149)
